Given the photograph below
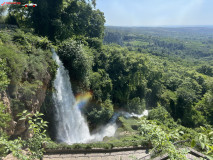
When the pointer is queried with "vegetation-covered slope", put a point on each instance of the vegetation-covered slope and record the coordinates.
(132, 81)
(165, 70)
(27, 70)
(176, 88)
(185, 76)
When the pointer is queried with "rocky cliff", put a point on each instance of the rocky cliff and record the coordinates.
(32, 103)
(29, 70)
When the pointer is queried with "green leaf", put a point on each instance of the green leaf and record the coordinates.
(204, 129)
(202, 145)
(25, 111)
(22, 118)
(211, 133)
(193, 143)
(19, 114)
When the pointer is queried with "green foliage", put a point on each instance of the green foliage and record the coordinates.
(28, 40)
(99, 113)
(161, 141)
(101, 85)
(130, 125)
(140, 79)
(15, 61)
(207, 70)
(113, 37)
(126, 73)
(15, 147)
(45, 18)
(170, 75)
(18, 106)
(5, 117)
(26, 65)
(28, 49)
(94, 43)
(28, 91)
(26, 58)
(5, 37)
(37, 126)
(4, 81)
(205, 104)
(65, 19)
(128, 141)
(159, 114)
(135, 105)
(77, 61)
(33, 145)
(173, 81)
(204, 140)
(168, 72)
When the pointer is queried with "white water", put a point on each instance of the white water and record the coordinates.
(128, 115)
(71, 126)
(108, 130)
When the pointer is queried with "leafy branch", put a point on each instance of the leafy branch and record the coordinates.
(162, 141)
(31, 148)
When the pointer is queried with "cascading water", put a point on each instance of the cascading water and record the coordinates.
(71, 126)
(128, 115)
(108, 130)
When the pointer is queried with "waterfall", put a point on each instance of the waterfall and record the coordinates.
(108, 130)
(71, 126)
(129, 115)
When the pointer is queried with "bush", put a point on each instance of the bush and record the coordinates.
(4, 81)
(16, 62)
(34, 143)
(160, 114)
(95, 43)
(77, 61)
(101, 85)
(99, 113)
(135, 105)
(4, 121)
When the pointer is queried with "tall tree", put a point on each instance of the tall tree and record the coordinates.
(40, 18)
(61, 19)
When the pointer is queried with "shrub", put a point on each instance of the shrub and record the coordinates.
(99, 113)
(4, 81)
(77, 61)
(160, 114)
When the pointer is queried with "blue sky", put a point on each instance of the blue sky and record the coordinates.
(156, 12)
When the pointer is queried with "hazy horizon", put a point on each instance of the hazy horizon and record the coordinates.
(163, 26)
(152, 13)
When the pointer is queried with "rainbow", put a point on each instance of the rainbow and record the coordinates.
(82, 100)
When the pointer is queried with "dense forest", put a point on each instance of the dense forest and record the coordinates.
(168, 71)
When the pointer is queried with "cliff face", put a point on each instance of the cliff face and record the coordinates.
(32, 103)
(29, 69)
(4, 98)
